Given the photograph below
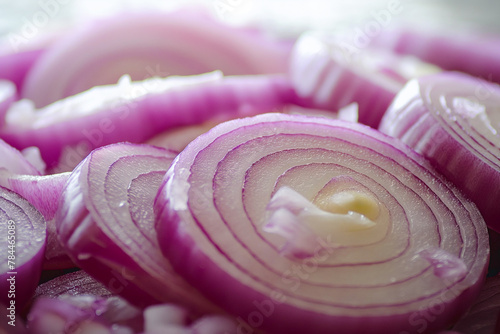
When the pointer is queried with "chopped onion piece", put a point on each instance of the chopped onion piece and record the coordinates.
(221, 190)
(453, 119)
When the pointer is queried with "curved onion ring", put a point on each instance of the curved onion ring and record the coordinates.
(68, 130)
(247, 215)
(149, 44)
(453, 120)
(105, 221)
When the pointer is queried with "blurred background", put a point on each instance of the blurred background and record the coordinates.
(283, 17)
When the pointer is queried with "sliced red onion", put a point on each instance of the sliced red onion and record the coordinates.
(484, 315)
(470, 52)
(453, 120)
(326, 77)
(106, 223)
(68, 130)
(149, 44)
(23, 244)
(223, 189)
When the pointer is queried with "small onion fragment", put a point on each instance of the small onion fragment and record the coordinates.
(327, 77)
(67, 130)
(106, 224)
(221, 191)
(149, 44)
(23, 245)
(453, 119)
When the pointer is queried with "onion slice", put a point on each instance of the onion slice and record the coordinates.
(106, 224)
(471, 52)
(23, 245)
(69, 129)
(453, 119)
(150, 44)
(426, 247)
(326, 77)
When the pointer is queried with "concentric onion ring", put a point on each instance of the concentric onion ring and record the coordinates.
(423, 257)
(453, 119)
(105, 222)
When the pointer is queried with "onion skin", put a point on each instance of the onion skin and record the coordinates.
(458, 148)
(148, 44)
(199, 232)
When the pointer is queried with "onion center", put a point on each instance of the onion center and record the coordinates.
(343, 213)
(335, 198)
